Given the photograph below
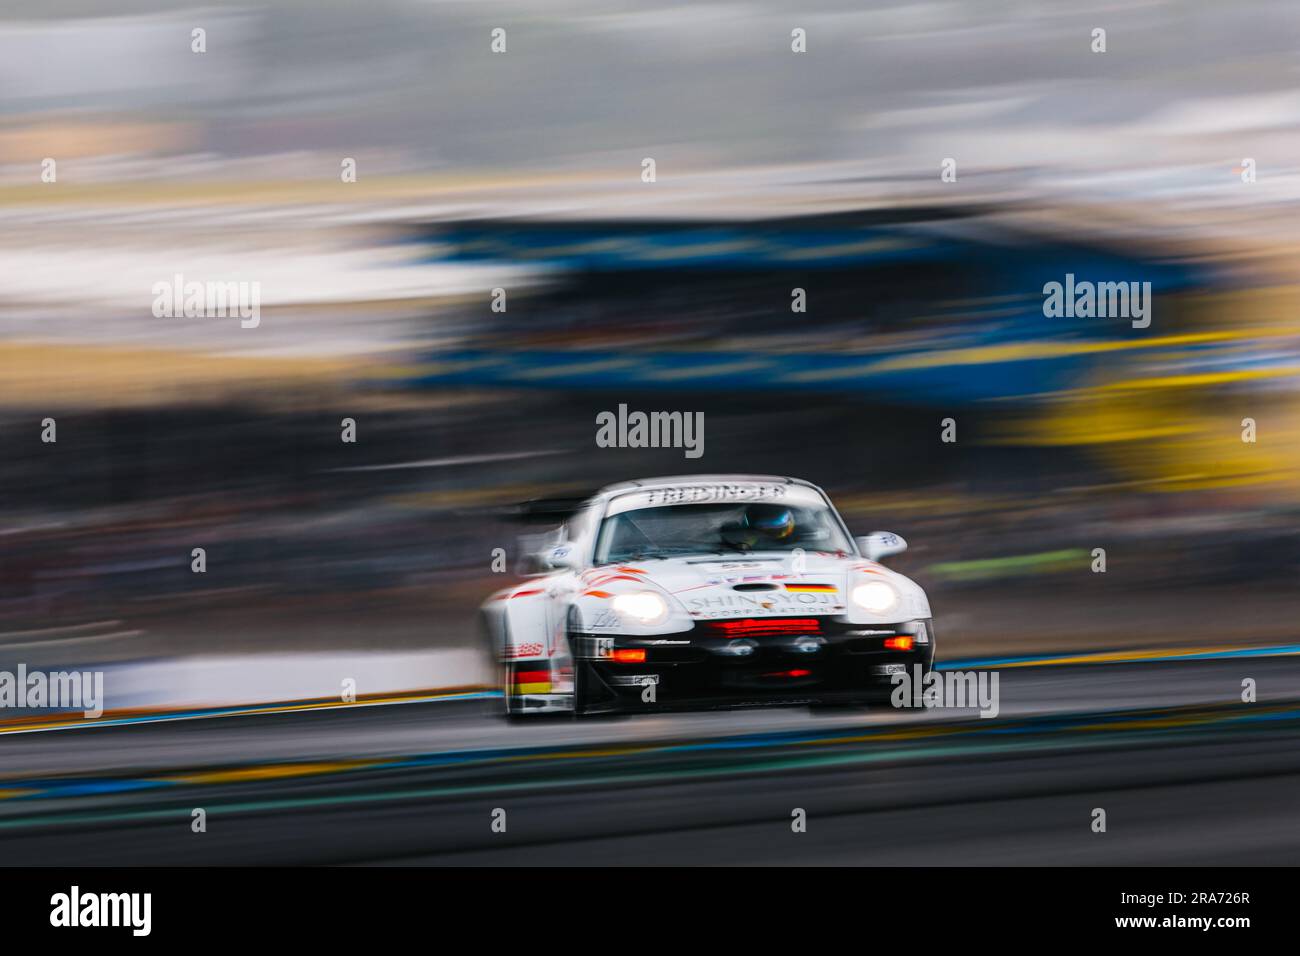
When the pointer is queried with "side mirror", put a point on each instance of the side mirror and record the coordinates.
(881, 544)
(562, 557)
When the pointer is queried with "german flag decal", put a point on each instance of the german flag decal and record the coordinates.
(811, 588)
(530, 681)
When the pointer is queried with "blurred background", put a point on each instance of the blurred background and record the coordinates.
(522, 171)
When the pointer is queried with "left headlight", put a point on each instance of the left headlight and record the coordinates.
(875, 596)
(644, 606)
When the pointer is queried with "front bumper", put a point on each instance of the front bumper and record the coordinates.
(728, 663)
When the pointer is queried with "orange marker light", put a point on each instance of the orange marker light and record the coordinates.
(627, 655)
(903, 642)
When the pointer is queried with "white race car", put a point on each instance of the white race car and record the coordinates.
(707, 590)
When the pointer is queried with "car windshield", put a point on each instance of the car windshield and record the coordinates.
(717, 529)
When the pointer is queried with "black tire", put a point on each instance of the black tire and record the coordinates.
(581, 676)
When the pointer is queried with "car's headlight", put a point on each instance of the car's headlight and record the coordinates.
(875, 596)
(644, 606)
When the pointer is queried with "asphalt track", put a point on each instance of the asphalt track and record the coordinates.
(1187, 773)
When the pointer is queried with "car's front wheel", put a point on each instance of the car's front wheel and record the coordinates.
(585, 682)
(581, 671)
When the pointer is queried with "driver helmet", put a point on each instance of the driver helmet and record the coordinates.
(774, 521)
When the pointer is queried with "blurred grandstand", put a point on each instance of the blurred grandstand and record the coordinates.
(1068, 437)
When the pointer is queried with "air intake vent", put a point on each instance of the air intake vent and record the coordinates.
(758, 626)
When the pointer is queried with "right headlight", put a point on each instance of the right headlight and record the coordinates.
(644, 606)
(875, 596)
